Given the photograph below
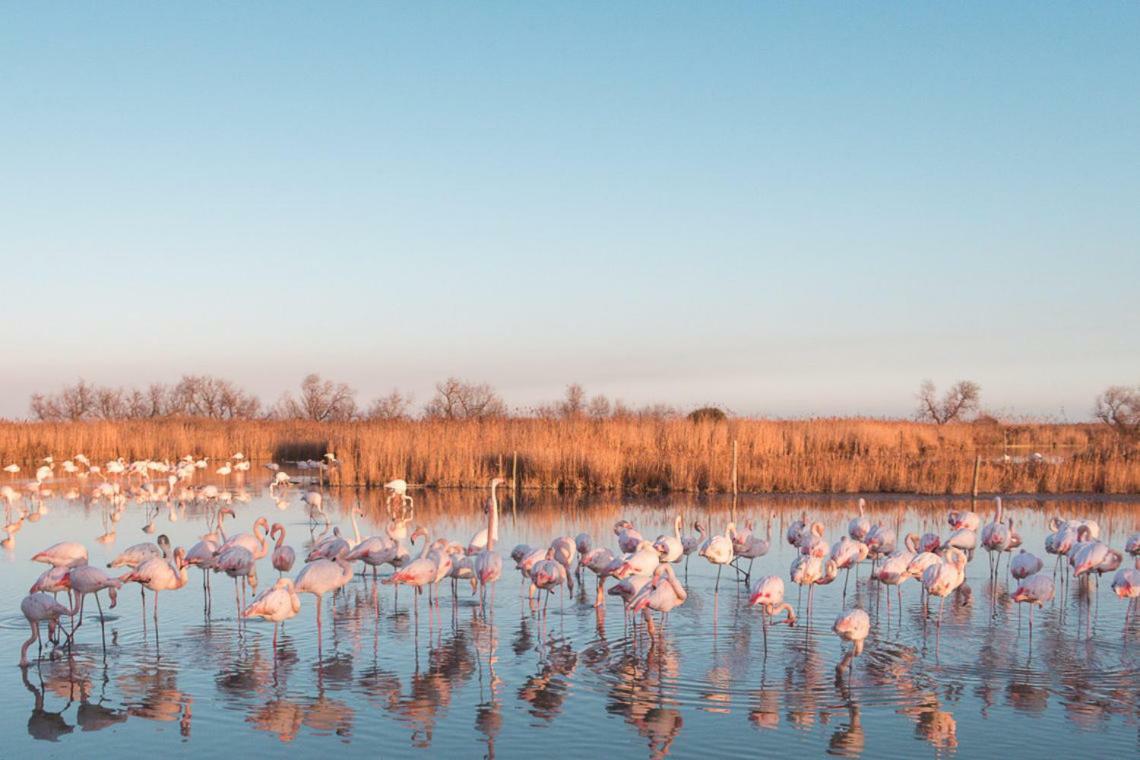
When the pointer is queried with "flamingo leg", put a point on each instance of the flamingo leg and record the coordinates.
(102, 623)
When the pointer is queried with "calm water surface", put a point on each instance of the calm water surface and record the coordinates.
(578, 679)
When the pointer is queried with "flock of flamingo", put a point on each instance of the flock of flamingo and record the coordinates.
(641, 572)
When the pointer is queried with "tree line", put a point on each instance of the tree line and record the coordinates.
(318, 399)
(323, 400)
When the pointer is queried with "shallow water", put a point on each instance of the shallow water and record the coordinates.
(403, 685)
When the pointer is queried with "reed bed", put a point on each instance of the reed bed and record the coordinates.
(633, 455)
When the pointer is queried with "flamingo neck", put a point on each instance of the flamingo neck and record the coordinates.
(355, 529)
(493, 519)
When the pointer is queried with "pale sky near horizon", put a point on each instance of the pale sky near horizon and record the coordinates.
(786, 209)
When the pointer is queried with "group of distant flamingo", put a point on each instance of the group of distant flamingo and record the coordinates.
(641, 572)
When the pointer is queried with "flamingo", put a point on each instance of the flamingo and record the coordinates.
(670, 548)
(752, 547)
(159, 574)
(63, 554)
(315, 504)
(256, 543)
(894, 570)
(1132, 545)
(690, 544)
(419, 572)
(812, 541)
(566, 554)
(642, 561)
(847, 553)
(811, 571)
(959, 520)
(38, 608)
(276, 604)
(628, 537)
(768, 594)
(86, 579)
(1126, 585)
(795, 529)
(1024, 565)
(479, 541)
(548, 573)
(996, 536)
(319, 578)
(859, 526)
(136, 555)
(1035, 589)
(488, 563)
(943, 578)
(598, 561)
(852, 625)
(662, 597)
(237, 562)
(375, 551)
(283, 556)
(718, 551)
(52, 581)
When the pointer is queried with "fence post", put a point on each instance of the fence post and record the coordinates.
(514, 481)
(977, 472)
(735, 489)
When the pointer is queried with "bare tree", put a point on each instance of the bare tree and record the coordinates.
(109, 404)
(394, 406)
(320, 400)
(457, 399)
(1119, 408)
(962, 399)
(599, 407)
(212, 397)
(573, 404)
(72, 402)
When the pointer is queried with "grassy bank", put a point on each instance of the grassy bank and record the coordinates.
(638, 455)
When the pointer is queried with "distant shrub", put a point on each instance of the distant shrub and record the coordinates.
(707, 414)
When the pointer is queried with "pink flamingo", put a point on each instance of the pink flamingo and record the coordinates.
(859, 526)
(319, 578)
(945, 577)
(718, 551)
(283, 556)
(662, 597)
(256, 543)
(87, 579)
(1126, 585)
(768, 594)
(489, 534)
(276, 604)
(488, 563)
(159, 574)
(598, 561)
(419, 572)
(1036, 589)
(238, 563)
(628, 537)
(39, 608)
(852, 625)
(63, 554)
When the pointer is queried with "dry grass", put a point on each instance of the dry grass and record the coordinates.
(808, 456)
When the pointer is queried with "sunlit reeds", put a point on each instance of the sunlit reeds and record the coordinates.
(637, 455)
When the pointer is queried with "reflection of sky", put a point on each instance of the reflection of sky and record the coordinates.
(382, 683)
(779, 209)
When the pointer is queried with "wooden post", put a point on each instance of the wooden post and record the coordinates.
(735, 489)
(977, 472)
(514, 482)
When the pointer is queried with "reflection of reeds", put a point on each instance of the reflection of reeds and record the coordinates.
(824, 455)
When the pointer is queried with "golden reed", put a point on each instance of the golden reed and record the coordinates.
(633, 455)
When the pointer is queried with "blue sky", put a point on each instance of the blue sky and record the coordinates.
(784, 208)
